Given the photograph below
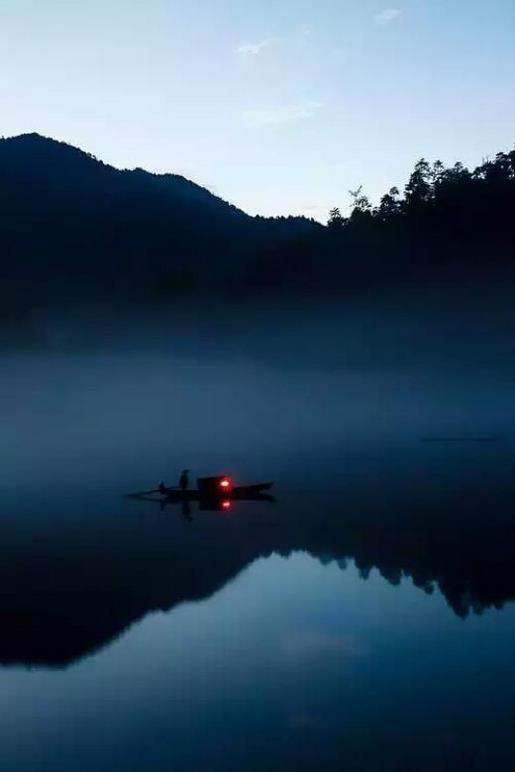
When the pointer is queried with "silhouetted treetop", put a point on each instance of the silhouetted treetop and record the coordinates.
(442, 194)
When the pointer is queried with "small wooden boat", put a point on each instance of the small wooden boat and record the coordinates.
(210, 491)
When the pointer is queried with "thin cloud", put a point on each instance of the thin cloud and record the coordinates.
(255, 49)
(283, 114)
(387, 16)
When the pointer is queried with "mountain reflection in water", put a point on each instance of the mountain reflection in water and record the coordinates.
(273, 654)
(71, 584)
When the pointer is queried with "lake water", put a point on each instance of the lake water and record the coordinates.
(363, 621)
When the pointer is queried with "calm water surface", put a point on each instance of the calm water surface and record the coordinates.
(363, 621)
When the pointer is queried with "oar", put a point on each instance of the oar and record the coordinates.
(154, 490)
(142, 493)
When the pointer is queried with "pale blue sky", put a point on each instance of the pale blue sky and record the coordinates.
(280, 106)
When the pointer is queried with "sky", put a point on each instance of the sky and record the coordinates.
(279, 106)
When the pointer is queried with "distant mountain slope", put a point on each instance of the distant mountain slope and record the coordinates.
(74, 227)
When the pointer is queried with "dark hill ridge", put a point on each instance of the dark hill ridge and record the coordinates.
(72, 227)
(75, 230)
(59, 167)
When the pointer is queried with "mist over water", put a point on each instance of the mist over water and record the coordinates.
(364, 618)
(143, 398)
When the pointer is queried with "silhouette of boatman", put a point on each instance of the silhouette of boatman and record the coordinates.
(184, 480)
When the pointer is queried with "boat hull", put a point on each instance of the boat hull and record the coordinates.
(238, 492)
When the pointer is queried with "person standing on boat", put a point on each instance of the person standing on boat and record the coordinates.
(184, 480)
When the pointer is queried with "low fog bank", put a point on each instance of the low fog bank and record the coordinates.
(121, 400)
(457, 325)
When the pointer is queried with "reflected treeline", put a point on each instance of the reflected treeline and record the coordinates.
(69, 585)
(474, 570)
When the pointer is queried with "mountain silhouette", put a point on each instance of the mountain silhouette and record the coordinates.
(73, 228)
(76, 230)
